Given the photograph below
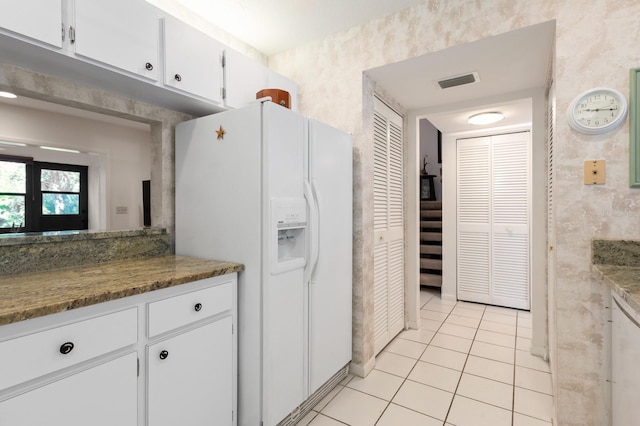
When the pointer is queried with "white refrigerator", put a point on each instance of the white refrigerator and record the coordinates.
(266, 187)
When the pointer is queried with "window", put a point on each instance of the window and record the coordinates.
(13, 192)
(37, 196)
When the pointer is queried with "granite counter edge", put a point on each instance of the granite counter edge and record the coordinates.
(92, 299)
(603, 273)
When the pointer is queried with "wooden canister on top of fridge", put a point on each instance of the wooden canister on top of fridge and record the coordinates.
(281, 97)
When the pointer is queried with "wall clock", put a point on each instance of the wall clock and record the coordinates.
(597, 111)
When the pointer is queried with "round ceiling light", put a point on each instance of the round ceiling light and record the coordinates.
(8, 95)
(486, 118)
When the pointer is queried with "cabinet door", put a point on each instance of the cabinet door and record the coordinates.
(190, 377)
(625, 352)
(121, 33)
(243, 78)
(37, 19)
(192, 60)
(278, 81)
(105, 395)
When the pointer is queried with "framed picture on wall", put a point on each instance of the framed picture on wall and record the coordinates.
(425, 189)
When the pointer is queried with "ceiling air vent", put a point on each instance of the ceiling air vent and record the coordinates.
(458, 80)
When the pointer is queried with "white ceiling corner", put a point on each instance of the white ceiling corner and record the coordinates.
(272, 26)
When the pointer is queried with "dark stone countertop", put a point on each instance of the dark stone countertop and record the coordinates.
(617, 263)
(32, 295)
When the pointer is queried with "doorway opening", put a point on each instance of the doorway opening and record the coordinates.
(508, 69)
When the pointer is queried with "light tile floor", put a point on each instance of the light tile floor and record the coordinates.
(469, 364)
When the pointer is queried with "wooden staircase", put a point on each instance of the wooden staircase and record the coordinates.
(431, 243)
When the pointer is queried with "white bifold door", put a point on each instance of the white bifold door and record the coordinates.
(493, 217)
(388, 248)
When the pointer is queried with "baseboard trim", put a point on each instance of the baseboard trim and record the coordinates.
(540, 351)
(362, 370)
(314, 399)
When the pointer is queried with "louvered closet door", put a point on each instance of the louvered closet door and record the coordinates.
(474, 219)
(493, 220)
(388, 256)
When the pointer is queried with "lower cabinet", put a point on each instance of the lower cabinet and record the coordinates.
(625, 353)
(195, 368)
(104, 395)
(167, 357)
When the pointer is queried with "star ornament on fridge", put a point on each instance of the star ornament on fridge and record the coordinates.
(220, 132)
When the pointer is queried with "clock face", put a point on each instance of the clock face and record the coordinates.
(597, 111)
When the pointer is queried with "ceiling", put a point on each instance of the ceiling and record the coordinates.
(272, 26)
(513, 62)
(508, 63)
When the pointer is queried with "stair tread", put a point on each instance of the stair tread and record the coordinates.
(431, 236)
(431, 205)
(435, 224)
(431, 214)
(431, 280)
(430, 249)
(435, 264)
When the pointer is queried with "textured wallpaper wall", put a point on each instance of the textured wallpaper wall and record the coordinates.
(596, 45)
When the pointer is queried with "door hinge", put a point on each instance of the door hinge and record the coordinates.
(223, 92)
(62, 30)
(138, 367)
(72, 34)
(223, 59)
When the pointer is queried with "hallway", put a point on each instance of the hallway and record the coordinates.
(468, 365)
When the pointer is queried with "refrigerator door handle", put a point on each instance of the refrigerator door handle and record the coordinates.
(308, 194)
(315, 233)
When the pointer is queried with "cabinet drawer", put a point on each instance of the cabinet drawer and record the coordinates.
(167, 314)
(35, 355)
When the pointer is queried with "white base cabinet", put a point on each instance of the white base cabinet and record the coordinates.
(625, 353)
(193, 367)
(104, 395)
(167, 357)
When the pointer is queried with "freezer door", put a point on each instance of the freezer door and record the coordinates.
(283, 307)
(219, 216)
(330, 289)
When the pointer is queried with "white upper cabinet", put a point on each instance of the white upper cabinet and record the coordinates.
(192, 60)
(243, 78)
(132, 48)
(278, 81)
(39, 20)
(120, 33)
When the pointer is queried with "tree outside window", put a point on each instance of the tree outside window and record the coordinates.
(37, 196)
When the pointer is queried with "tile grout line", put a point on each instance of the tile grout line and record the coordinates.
(404, 379)
(455, 392)
(437, 331)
